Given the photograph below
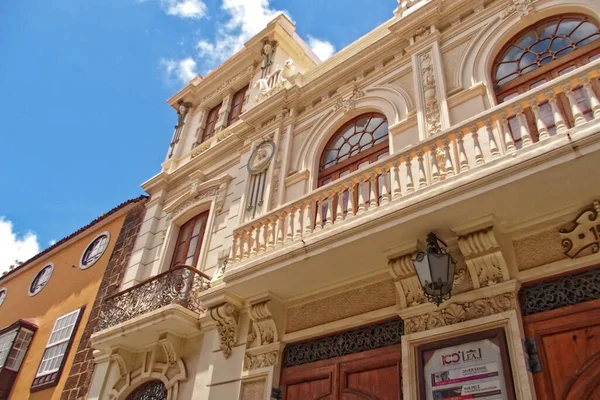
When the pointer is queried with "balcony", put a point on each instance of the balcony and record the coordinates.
(480, 151)
(166, 302)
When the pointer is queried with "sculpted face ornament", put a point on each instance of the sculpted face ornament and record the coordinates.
(261, 157)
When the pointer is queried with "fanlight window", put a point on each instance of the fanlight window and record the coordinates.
(543, 43)
(153, 390)
(361, 140)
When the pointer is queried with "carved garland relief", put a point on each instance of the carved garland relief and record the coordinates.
(226, 317)
(432, 107)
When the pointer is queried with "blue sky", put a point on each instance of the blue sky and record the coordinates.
(83, 113)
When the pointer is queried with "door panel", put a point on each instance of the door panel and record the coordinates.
(568, 341)
(370, 375)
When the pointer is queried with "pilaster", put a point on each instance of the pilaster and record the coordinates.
(202, 115)
(224, 111)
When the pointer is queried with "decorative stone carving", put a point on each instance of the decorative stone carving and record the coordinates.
(261, 157)
(182, 110)
(263, 325)
(348, 103)
(226, 317)
(274, 82)
(459, 312)
(583, 234)
(260, 360)
(565, 291)
(222, 261)
(432, 107)
(201, 191)
(341, 344)
(170, 347)
(484, 258)
(267, 52)
(519, 7)
(123, 360)
(422, 32)
(201, 148)
(412, 292)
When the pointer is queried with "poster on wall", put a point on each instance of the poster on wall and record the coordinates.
(472, 370)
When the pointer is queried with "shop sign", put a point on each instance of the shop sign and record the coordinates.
(472, 370)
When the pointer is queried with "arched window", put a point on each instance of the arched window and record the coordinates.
(360, 141)
(544, 51)
(153, 390)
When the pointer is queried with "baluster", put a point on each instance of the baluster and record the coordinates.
(235, 255)
(539, 122)
(280, 227)
(319, 218)
(435, 170)
(329, 215)
(373, 192)
(261, 238)
(339, 215)
(290, 228)
(594, 103)
(270, 233)
(523, 127)
(298, 223)
(575, 110)
(395, 180)
(351, 206)
(410, 186)
(462, 155)
(448, 162)
(385, 193)
(479, 159)
(245, 244)
(307, 218)
(422, 178)
(362, 207)
(491, 138)
(253, 236)
(509, 142)
(559, 121)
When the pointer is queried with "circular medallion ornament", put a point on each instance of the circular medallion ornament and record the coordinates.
(261, 157)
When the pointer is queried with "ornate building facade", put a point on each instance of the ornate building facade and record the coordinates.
(276, 255)
(49, 306)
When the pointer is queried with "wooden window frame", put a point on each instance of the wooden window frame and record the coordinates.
(211, 121)
(51, 379)
(174, 262)
(237, 104)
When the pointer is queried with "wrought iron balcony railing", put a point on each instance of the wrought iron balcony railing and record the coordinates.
(479, 143)
(180, 285)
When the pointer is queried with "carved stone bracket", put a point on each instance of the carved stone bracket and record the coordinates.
(459, 312)
(484, 257)
(124, 360)
(171, 346)
(263, 325)
(408, 288)
(226, 317)
(584, 234)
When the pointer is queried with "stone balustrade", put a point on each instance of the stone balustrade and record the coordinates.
(180, 285)
(473, 144)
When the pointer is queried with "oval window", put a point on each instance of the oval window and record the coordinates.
(94, 250)
(41, 279)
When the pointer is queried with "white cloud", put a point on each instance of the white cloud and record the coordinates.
(185, 8)
(52, 242)
(245, 19)
(184, 69)
(322, 48)
(14, 247)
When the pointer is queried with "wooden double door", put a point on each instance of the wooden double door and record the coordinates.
(370, 375)
(568, 345)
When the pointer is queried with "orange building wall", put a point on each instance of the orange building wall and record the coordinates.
(68, 289)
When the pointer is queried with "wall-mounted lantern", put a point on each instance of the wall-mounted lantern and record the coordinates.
(435, 270)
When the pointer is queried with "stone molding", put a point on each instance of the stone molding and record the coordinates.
(484, 257)
(199, 191)
(459, 312)
(261, 360)
(226, 318)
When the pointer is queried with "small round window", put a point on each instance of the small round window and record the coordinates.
(2, 295)
(41, 279)
(94, 250)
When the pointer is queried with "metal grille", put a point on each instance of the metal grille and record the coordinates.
(154, 390)
(565, 291)
(341, 344)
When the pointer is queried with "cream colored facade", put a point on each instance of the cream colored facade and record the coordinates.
(279, 278)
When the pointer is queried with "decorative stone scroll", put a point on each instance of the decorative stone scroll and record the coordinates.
(519, 7)
(263, 325)
(484, 258)
(459, 312)
(564, 291)
(226, 317)
(341, 344)
(583, 234)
